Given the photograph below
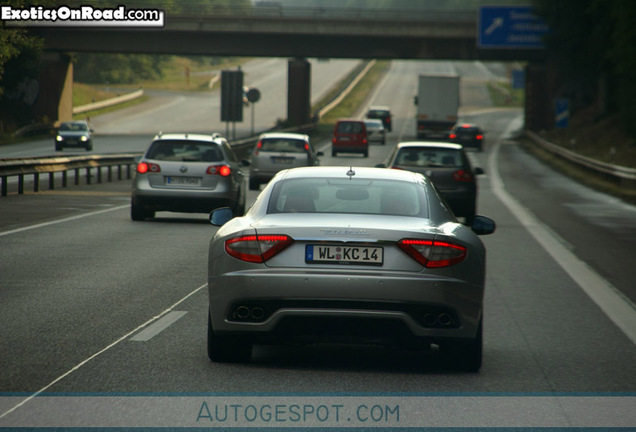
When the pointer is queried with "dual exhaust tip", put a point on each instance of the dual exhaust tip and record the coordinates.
(442, 319)
(249, 313)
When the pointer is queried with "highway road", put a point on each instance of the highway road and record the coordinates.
(95, 304)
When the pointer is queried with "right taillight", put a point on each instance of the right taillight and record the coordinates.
(433, 253)
(452, 136)
(258, 147)
(463, 176)
(257, 248)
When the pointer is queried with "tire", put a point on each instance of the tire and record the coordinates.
(239, 208)
(333, 153)
(366, 153)
(465, 356)
(225, 349)
(139, 213)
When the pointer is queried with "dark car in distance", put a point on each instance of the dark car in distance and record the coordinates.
(468, 135)
(381, 113)
(74, 134)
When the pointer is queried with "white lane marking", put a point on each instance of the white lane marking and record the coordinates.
(82, 363)
(68, 219)
(159, 326)
(612, 302)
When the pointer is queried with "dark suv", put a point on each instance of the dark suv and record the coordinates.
(381, 113)
(468, 135)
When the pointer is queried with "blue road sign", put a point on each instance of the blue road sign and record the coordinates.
(562, 113)
(510, 27)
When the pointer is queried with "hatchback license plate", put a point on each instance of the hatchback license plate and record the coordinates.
(320, 254)
(187, 181)
(283, 160)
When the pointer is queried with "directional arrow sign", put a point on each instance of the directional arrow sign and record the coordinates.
(510, 27)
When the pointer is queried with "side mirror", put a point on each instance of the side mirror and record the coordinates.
(320, 153)
(482, 225)
(479, 171)
(221, 216)
(245, 163)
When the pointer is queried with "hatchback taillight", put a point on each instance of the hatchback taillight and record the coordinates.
(463, 176)
(480, 137)
(258, 147)
(433, 253)
(144, 167)
(257, 248)
(452, 136)
(222, 170)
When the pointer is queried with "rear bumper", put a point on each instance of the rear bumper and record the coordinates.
(374, 307)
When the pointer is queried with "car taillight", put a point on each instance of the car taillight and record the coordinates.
(144, 167)
(256, 248)
(258, 147)
(480, 137)
(365, 140)
(433, 253)
(452, 136)
(388, 120)
(463, 176)
(222, 170)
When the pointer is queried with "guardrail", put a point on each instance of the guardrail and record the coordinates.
(36, 166)
(625, 176)
(108, 102)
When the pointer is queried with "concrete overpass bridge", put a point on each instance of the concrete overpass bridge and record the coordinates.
(288, 32)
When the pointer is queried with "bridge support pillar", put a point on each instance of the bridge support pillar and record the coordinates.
(541, 90)
(298, 92)
(55, 101)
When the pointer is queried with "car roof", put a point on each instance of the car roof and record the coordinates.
(376, 121)
(187, 136)
(343, 172)
(430, 144)
(350, 120)
(287, 135)
(379, 108)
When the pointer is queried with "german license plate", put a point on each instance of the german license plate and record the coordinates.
(320, 254)
(183, 181)
(282, 160)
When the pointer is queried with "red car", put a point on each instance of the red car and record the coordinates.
(350, 136)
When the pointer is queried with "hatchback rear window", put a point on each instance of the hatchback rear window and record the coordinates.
(355, 196)
(429, 157)
(350, 127)
(185, 151)
(283, 145)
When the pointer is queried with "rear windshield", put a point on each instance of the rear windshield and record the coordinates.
(377, 113)
(429, 157)
(356, 196)
(184, 151)
(350, 127)
(283, 145)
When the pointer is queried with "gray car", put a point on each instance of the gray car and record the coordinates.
(449, 168)
(347, 255)
(187, 173)
(276, 151)
(375, 130)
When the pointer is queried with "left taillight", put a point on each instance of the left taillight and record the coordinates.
(144, 167)
(433, 253)
(257, 248)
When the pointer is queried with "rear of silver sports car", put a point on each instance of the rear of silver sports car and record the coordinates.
(374, 279)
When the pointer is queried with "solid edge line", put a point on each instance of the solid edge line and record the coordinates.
(103, 350)
(618, 308)
(68, 219)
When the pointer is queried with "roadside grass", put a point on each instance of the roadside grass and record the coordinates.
(351, 103)
(503, 95)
